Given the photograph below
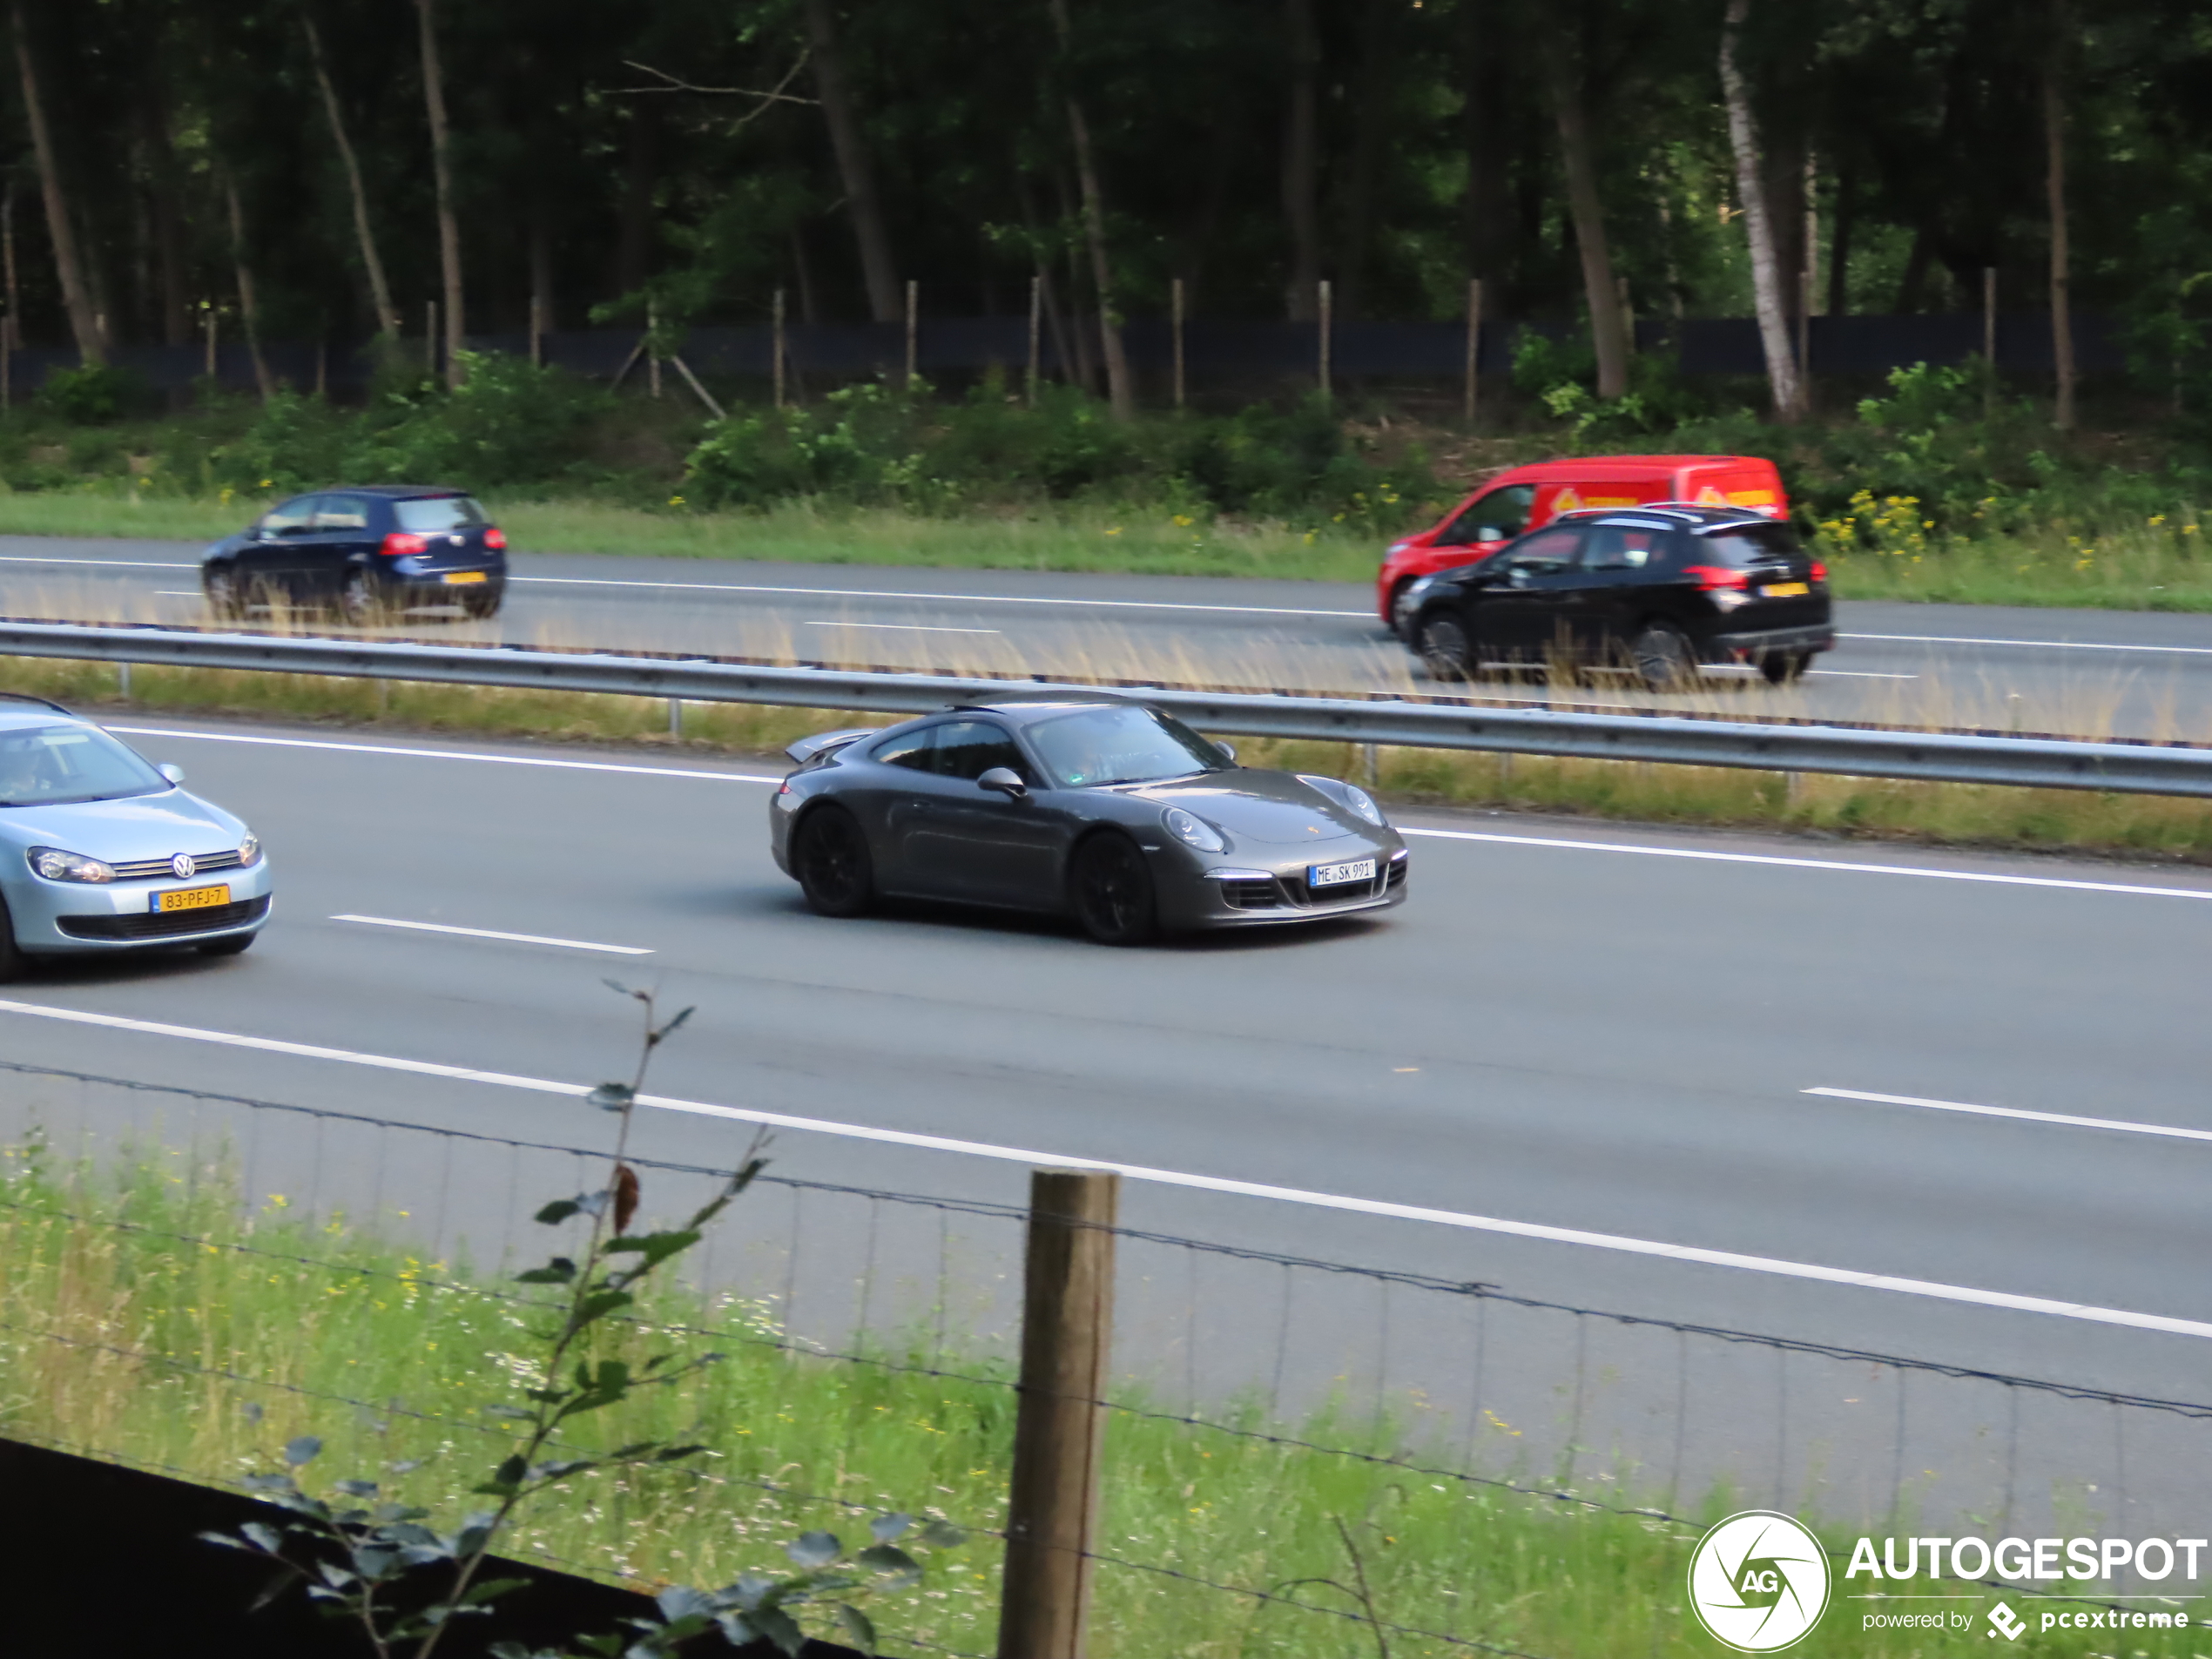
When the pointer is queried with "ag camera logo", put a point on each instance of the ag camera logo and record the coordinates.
(1758, 1582)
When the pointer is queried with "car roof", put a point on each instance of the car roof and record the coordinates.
(1620, 466)
(19, 709)
(1681, 515)
(1031, 707)
(390, 492)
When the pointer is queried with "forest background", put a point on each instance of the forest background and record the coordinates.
(419, 173)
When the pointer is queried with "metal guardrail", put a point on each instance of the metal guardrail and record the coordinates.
(2118, 767)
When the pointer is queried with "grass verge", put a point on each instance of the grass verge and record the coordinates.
(1955, 814)
(2156, 566)
(194, 1307)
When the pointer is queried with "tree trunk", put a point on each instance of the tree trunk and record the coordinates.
(1840, 239)
(2061, 274)
(1766, 275)
(1302, 158)
(634, 219)
(171, 300)
(1609, 333)
(249, 311)
(380, 290)
(1121, 395)
(878, 269)
(434, 92)
(1379, 77)
(77, 298)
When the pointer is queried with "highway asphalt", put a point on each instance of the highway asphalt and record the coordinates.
(1590, 1048)
(2083, 672)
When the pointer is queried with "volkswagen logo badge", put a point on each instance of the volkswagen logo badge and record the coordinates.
(184, 867)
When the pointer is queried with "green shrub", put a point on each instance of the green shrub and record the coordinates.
(93, 395)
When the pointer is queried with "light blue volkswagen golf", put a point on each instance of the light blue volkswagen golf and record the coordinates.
(102, 850)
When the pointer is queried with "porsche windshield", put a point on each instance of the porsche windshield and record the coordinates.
(50, 765)
(1121, 746)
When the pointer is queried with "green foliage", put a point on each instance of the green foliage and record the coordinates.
(873, 446)
(352, 1552)
(93, 393)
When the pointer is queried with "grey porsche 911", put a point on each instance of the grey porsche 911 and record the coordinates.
(1101, 808)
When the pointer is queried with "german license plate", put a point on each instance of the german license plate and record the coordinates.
(1336, 875)
(462, 578)
(1785, 589)
(193, 898)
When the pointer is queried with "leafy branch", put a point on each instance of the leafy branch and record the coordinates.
(351, 1549)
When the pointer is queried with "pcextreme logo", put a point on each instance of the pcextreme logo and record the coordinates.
(1759, 1581)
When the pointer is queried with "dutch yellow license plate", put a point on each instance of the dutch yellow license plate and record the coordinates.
(462, 578)
(1786, 589)
(193, 898)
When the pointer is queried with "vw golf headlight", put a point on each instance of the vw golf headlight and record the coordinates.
(249, 850)
(1193, 832)
(57, 865)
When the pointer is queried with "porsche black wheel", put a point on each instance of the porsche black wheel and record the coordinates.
(1112, 891)
(830, 857)
(1784, 667)
(14, 965)
(225, 603)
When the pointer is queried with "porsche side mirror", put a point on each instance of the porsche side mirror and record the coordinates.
(1003, 780)
(1228, 750)
(175, 775)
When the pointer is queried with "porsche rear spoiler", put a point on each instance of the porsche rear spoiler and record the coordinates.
(821, 742)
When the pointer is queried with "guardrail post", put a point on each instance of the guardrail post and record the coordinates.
(1059, 1430)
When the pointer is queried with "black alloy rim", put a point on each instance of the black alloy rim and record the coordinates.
(1113, 887)
(832, 860)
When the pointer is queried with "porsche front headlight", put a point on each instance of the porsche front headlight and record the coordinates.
(1193, 832)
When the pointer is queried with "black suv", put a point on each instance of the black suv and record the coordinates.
(370, 550)
(1656, 590)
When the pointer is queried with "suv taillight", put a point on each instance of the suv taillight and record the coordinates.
(1819, 572)
(1710, 577)
(495, 539)
(400, 544)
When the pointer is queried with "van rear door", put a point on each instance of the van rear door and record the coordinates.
(1742, 482)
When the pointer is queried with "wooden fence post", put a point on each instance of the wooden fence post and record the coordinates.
(776, 349)
(1474, 342)
(1326, 331)
(1036, 319)
(914, 329)
(1059, 1428)
(1989, 340)
(1177, 291)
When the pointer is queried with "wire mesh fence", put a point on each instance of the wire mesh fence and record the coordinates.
(1279, 1425)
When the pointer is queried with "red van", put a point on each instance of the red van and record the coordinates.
(1524, 498)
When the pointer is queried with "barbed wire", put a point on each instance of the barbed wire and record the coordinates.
(1473, 1289)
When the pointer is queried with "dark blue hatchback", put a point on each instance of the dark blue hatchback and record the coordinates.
(371, 551)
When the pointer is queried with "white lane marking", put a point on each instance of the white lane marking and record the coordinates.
(486, 933)
(1171, 1178)
(2032, 645)
(1855, 674)
(179, 593)
(120, 564)
(906, 627)
(1438, 834)
(960, 598)
(2065, 1120)
(1814, 864)
(444, 754)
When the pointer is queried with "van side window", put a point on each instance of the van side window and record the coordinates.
(1499, 515)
